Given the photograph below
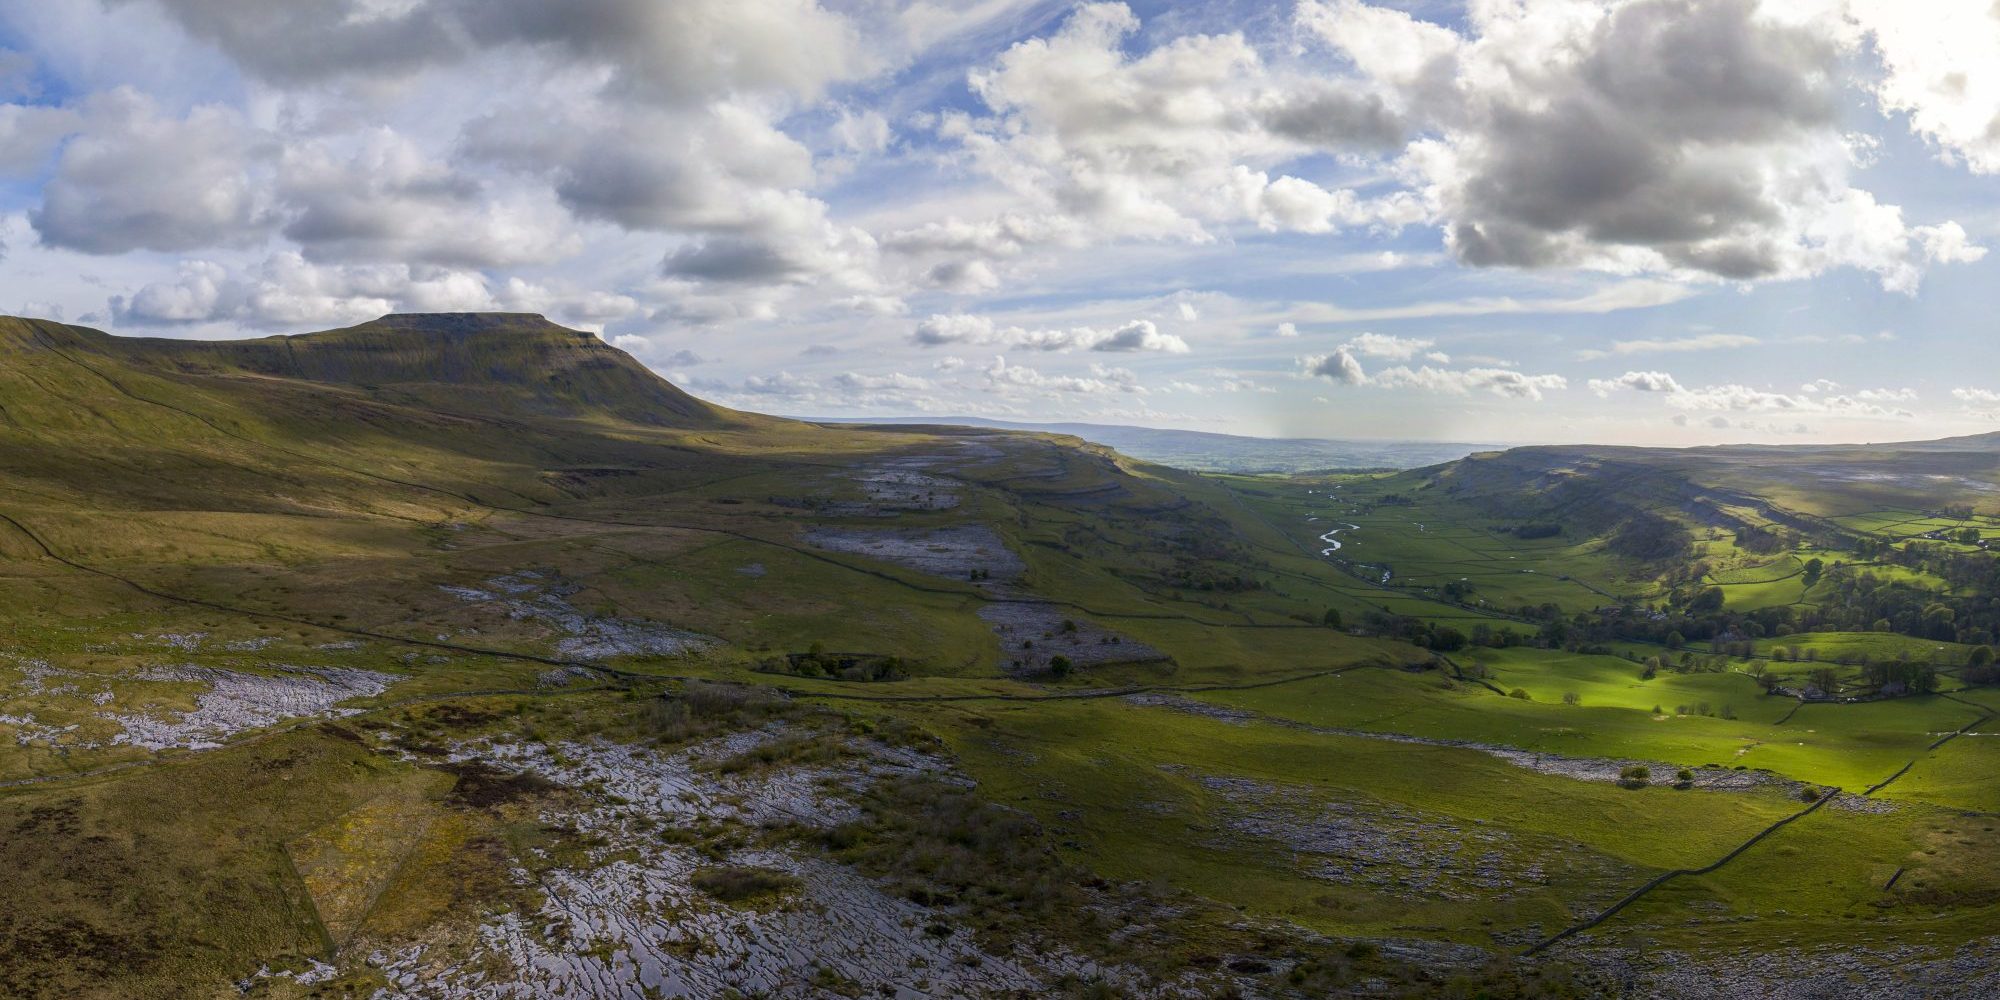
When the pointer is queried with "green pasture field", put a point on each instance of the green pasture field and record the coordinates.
(1123, 781)
(1850, 646)
(1848, 745)
(1784, 567)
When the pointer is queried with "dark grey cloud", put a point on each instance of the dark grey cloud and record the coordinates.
(634, 189)
(681, 50)
(1340, 366)
(674, 51)
(1656, 140)
(339, 215)
(728, 176)
(389, 202)
(303, 41)
(703, 179)
(1713, 70)
(1139, 335)
(732, 260)
(964, 276)
(1334, 118)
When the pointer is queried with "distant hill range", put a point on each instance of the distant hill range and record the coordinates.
(1594, 489)
(1209, 452)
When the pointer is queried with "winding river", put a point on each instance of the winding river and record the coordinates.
(1333, 544)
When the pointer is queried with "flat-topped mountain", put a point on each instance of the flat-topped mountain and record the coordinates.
(506, 362)
(324, 421)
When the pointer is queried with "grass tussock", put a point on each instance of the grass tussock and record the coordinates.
(798, 749)
(944, 846)
(740, 883)
(703, 709)
(482, 786)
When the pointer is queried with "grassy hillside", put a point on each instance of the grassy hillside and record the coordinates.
(464, 650)
(506, 362)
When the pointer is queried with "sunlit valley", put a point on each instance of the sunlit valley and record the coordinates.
(806, 498)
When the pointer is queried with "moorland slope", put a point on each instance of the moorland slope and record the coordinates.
(461, 656)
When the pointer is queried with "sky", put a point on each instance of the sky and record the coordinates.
(1676, 222)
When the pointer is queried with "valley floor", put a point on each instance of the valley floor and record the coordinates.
(908, 713)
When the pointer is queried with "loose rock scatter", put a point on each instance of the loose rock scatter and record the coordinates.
(955, 552)
(1033, 633)
(900, 489)
(1378, 845)
(186, 642)
(29, 730)
(633, 921)
(529, 595)
(237, 701)
(1972, 972)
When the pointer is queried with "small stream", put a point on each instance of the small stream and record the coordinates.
(1333, 544)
